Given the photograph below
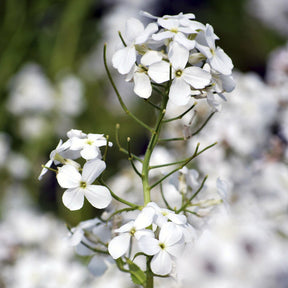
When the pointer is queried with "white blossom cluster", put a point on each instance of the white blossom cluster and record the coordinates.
(178, 49)
(80, 185)
(165, 241)
(33, 98)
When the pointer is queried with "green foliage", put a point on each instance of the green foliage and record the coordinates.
(137, 275)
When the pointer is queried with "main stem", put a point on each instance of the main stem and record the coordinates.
(152, 143)
(149, 274)
(145, 177)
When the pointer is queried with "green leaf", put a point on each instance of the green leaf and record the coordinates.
(137, 275)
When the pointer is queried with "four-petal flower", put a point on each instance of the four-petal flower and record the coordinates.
(79, 185)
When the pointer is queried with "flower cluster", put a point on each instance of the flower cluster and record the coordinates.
(79, 184)
(175, 49)
(159, 232)
(176, 57)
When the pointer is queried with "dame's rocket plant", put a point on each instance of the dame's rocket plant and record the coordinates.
(175, 57)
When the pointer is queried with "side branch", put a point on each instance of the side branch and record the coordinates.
(132, 205)
(124, 107)
(185, 162)
(121, 149)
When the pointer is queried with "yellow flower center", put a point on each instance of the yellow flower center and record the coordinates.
(178, 73)
(83, 184)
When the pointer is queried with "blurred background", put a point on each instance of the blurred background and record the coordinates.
(52, 79)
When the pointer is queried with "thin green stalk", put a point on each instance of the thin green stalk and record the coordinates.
(196, 153)
(88, 246)
(131, 158)
(124, 107)
(166, 165)
(163, 197)
(121, 149)
(152, 104)
(172, 139)
(106, 148)
(193, 213)
(120, 211)
(193, 196)
(203, 125)
(117, 197)
(181, 115)
(122, 39)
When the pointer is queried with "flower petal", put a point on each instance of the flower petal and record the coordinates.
(98, 196)
(221, 62)
(125, 228)
(179, 92)
(90, 152)
(196, 77)
(73, 199)
(68, 177)
(184, 41)
(149, 245)
(177, 218)
(178, 56)
(163, 35)
(133, 28)
(170, 234)
(159, 72)
(142, 86)
(124, 59)
(97, 265)
(119, 245)
(92, 169)
(151, 57)
(161, 263)
(44, 170)
(145, 218)
(149, 30)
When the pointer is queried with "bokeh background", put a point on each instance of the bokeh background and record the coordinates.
(52, 79)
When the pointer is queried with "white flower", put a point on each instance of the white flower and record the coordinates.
(216, 57)
(77, 233)
(119, 245)
(58, 149)
(169, 245)
(88, 145)
(124, 59)
(81, 185)
(61, 154)
(162, 215)
(143, 87)
(183, 78)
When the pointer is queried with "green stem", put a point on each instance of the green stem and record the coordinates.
(120, 211)
(149, 274)
(181, 115)
(152, 104)
(193, 196)
(122, 39)
(131, 158)
(152, 143)
(117, 197)
(185, 162)
(203, 125)
(124, 107)
(172, 139)
(121, 149)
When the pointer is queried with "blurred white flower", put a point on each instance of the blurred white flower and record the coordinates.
(30, 92)
(70, 99)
